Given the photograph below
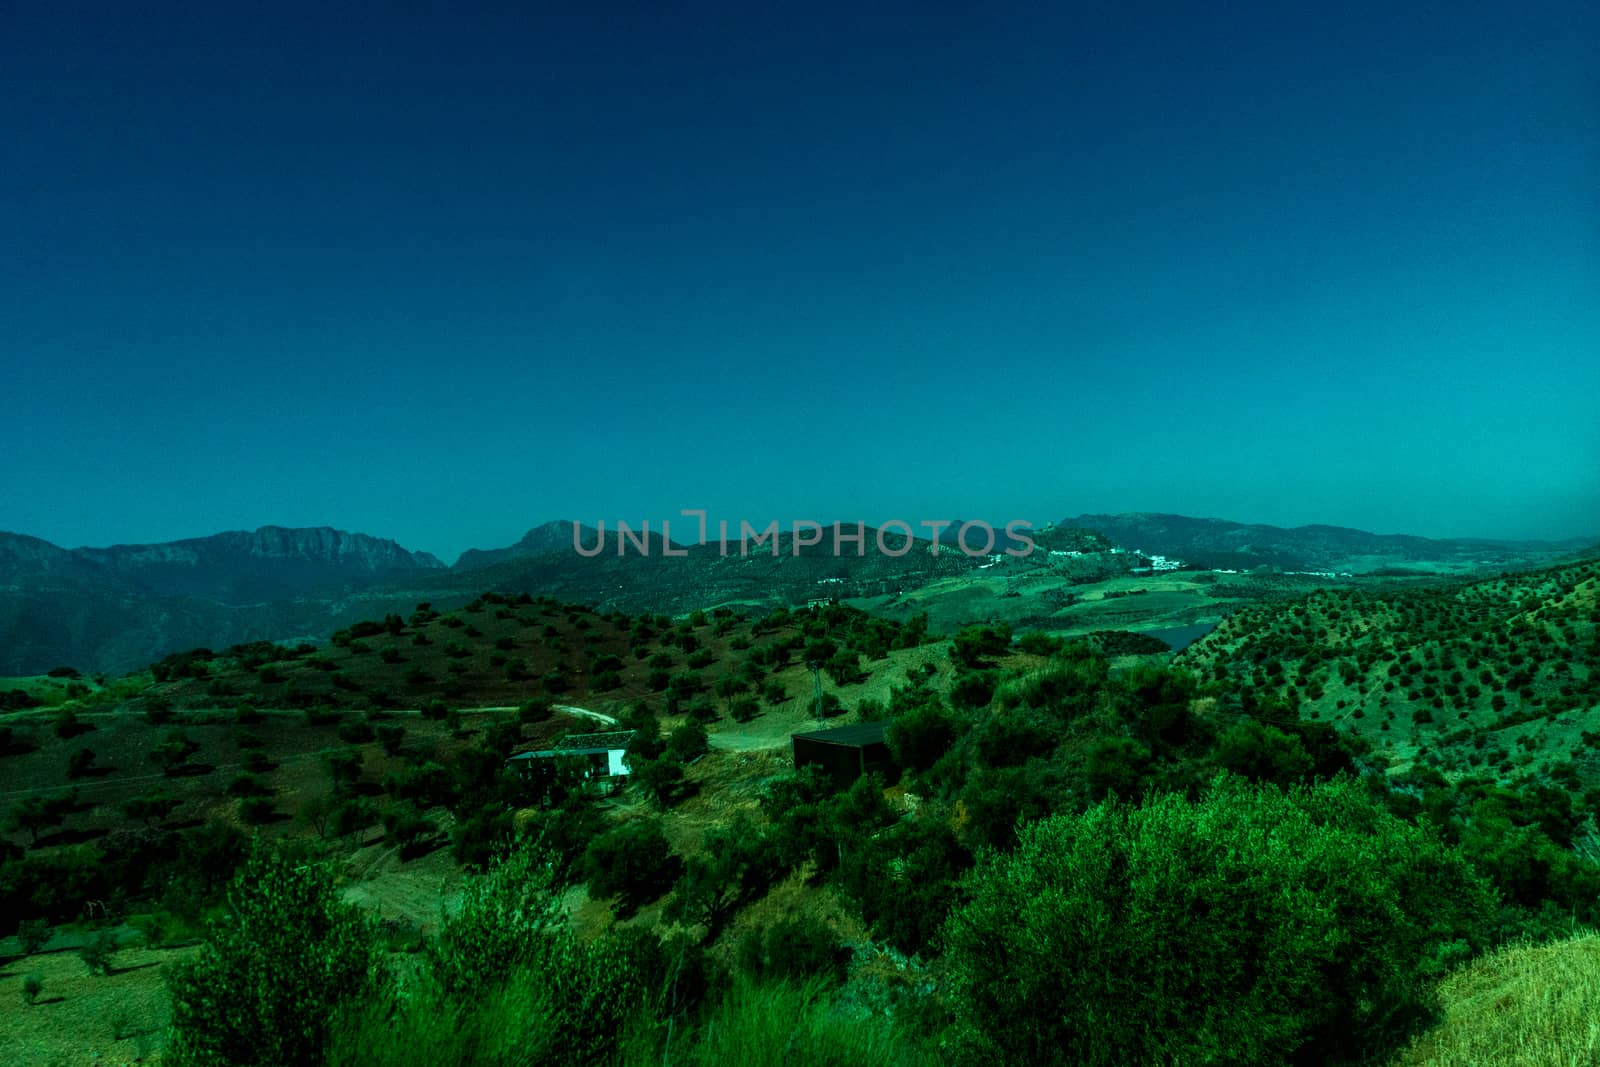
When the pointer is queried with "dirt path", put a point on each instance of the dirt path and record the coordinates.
(572, 709)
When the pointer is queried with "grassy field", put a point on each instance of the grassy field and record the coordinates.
(1523, 1006)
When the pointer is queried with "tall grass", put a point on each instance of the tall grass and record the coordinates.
(524, 1023)
(514, 1024)
(1525, 1005)
(788, 1025)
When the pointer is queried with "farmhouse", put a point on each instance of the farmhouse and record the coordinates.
(602, 754)
(844, 752)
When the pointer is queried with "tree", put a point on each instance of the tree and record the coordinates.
(922, 733)
(97, 952)
(80, 763)
(1250, 926)
(393, 737)
(271, 977)
(32, 935)
(633, 863)
(173, 753)
(660, 779)
(151, 808)
(688, 742)
(34, 815)
(509, 916)
(1263, 753)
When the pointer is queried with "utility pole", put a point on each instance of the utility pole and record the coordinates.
(816, 688)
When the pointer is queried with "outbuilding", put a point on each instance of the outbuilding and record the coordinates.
(845, 752)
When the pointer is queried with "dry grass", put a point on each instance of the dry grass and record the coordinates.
(1523, 1006)
(83, 1019)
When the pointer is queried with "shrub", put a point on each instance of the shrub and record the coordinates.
(688, 742)
(922, 733)
(98, 952)
(393, 737)
(32, 986)
(80, 763)
(356, 732)
(792, 948)
(32, 934)
(633, 863)
(509, 916)
(255, 811)
(1251, 926)
(269, 980)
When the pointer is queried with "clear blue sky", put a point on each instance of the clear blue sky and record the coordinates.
(441, 277)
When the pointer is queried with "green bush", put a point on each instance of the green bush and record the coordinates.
(1251, 926)
(271, 977)
(32, 934)
(688, 742)
(509, 917)
(99, 952)
(32, 986)
(792, 948)
(633, 863)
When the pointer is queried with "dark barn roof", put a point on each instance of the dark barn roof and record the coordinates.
(856, 736)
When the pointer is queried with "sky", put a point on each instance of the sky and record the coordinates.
(442, 272)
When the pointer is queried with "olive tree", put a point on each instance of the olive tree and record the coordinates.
(274, 971)
(1250, 926)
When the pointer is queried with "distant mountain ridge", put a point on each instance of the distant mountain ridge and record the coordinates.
(269, 563)
(556, 538)
(122, 606)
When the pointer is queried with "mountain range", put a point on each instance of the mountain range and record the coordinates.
(118, 608)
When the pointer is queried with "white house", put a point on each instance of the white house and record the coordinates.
(603, 753)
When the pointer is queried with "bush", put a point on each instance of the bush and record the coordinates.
(509, 917)
(633, 863)
(32, 934)
(270, 979)
(572, 1005)
(1252, 926)
(98, 952)
(792, 948)
(32, 986)
(356, 732)
(392, 736)
(1263, 753)
(255, 811)
(688, 742)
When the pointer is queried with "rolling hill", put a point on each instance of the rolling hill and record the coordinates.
(1494, 676)
(1219, 544)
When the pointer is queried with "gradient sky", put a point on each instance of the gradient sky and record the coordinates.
(440, 277)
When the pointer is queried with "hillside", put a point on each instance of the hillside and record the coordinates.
(705, 576)
(113, 609)
(1497, 675)
(381, 757)
(1219, 544)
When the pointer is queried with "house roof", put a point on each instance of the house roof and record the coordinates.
(609, 740)
(853, 736)
(583, 745)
